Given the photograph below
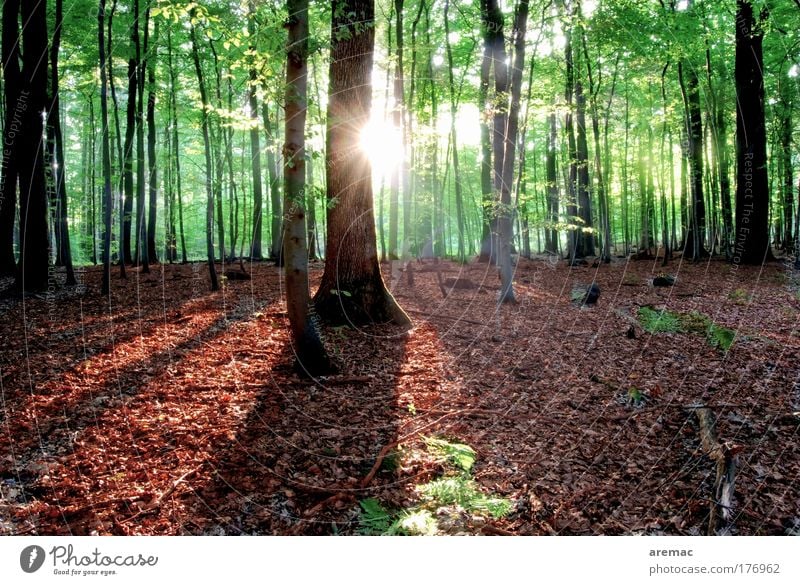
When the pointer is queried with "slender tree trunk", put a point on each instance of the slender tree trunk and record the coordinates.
(274, 191)
(106, 148)
(152, 217)
(173, 83)
(142, 257)
(212, 269)
(454, 138)
(124, 216)
(64, 251)
(255, 142)
(130, 134)
(488, 251)
(309, 351)
(696, 236)
(551, 235)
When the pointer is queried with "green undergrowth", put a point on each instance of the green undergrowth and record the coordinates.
(694, 322)
(454, 491)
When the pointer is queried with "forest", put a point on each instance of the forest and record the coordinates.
(400, 267)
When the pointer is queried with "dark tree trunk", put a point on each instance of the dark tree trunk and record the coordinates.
(584, 237)
(212, 269)
(107, 197)
(12, 130)
(130, 135)
(142, 257)
(152, 162)
(694, 246)
(352, 289)
(488, 250)
(63, 248)
(551, 233)
(752, 194)
(32, 272)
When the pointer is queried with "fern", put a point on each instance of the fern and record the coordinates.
(458, 454)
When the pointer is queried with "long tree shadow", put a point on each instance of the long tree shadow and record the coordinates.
(308, 450)
(69, 450)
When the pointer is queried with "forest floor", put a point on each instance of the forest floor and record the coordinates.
(173, 410)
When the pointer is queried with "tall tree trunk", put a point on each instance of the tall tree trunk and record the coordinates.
(106, 149)
(398, 179)
(12, 129)
(551, 235)
(454, 137)
(32, 272)
(584, 238)
(352, 289)
(130, 135)
(255, 141)
(212, 269)
(696, 236)
(64, 252)
(488, 251)
(173, 92)
(752, 193)
(124, 216)
(152, 218)
(510, 137)
(309, 351)
(274, 189)
(787, 186)
(142, 257)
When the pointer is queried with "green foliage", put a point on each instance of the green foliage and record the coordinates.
(456, 489)
(740, 296)
(461, 490)
(655, 321)
(374, 519)
(720, 337)
(635, 396)
(663, 321)
(458, 454)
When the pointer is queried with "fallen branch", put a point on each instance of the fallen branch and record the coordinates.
(725, 455)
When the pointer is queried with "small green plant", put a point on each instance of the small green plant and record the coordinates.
(458, 454)
(462, 491)
(635, 396)
(720, 337)
(655, 321)
(374, 519)
(740, 296)
(455, 489)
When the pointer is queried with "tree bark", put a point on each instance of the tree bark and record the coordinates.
(12, 129)
(32, 271)
(352, 289)
(152, 214)
(255, 143)
(212, 269)
(106, 149)
(752, 194)
(309, 351)
(56, 139)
